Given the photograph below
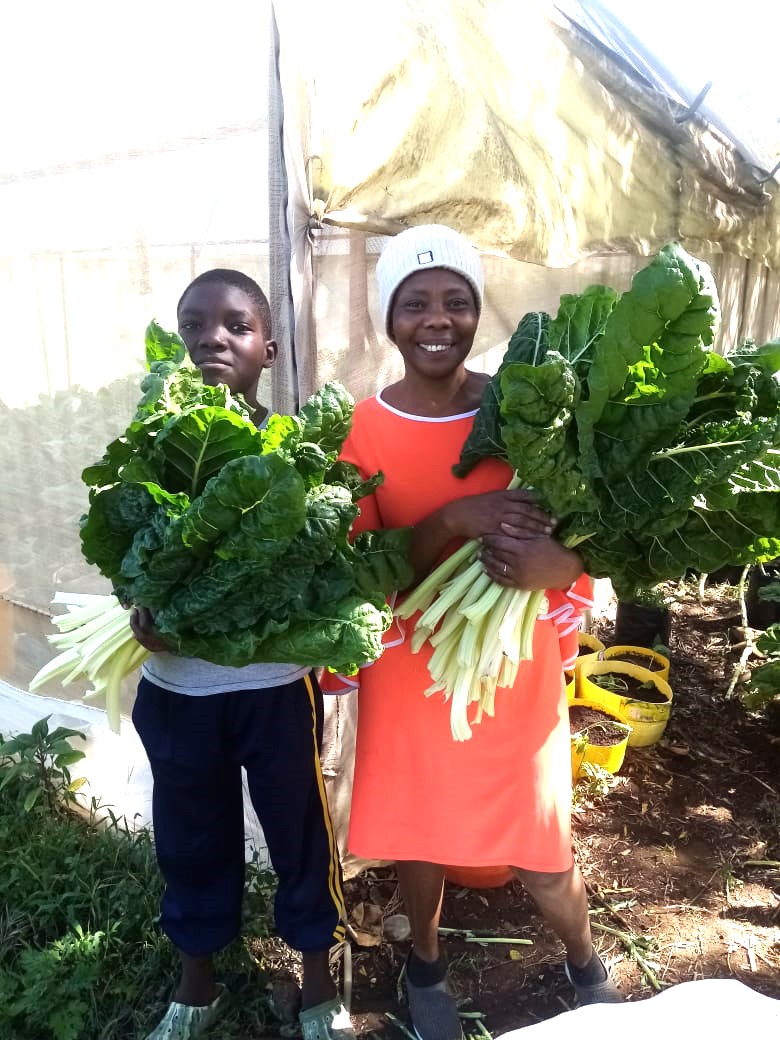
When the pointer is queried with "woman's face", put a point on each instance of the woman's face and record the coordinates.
(433, 321)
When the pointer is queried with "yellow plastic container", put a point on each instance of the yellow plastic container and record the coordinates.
(587, 643)
(571, 686)
(656, 663)
(590, 641)
(608, 756)
(647, 719)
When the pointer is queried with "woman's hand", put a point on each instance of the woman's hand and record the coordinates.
(142, 626)
(530, 563)
(512, 513)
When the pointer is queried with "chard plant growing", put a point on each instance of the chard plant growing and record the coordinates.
(655, 454)
(764, 688)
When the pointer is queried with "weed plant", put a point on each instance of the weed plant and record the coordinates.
(594, 783)
(81, 957)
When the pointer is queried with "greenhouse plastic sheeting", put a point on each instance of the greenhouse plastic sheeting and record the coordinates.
(117, 187)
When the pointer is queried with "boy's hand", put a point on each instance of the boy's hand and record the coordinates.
(142, 626)
(523, 563)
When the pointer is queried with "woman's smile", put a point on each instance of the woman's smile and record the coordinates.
(433, 319)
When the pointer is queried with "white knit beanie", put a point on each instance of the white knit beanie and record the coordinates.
(421, 247)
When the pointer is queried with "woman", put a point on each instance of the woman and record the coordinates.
(504, 796)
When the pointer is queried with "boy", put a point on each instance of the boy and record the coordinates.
(200, 723)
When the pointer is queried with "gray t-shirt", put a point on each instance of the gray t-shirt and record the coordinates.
(198, 678)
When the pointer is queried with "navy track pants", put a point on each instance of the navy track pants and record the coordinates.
(196, 747)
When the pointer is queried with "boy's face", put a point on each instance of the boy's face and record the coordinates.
(226, 337)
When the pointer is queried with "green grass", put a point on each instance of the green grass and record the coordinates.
(81, 957)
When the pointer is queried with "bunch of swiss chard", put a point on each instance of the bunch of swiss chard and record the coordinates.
(655, 454)
(235, 537)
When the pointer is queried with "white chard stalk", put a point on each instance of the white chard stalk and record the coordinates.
(480, 632)
(97, 644)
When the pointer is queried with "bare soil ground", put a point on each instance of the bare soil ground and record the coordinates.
(680, 857)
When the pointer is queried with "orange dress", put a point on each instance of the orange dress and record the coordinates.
(504, 796)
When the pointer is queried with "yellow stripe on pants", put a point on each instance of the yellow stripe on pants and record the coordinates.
(334, 873)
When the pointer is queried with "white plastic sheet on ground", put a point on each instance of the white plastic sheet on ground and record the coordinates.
(715, 1009)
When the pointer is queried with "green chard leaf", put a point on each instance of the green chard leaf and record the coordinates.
(194, 446)
(329, 515)
(327, 417)
(579, 325)
(312, 463)
(528, 345)
(349, 476)
(344, 637)
(657, 329)
(764, 686)
(281, 433)
(108, 529)
(249, 511)
(537, 407)
(163, 347)
(155, 563)
(382, 561)
(769, 642)
(771, 593)
(199, 601)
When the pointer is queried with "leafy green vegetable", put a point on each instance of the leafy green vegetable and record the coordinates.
(238, 538)
(771, 594)
(655, 454)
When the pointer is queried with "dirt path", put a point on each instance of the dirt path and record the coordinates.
(675, 857)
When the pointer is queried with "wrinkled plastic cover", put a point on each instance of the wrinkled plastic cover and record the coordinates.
(506, 121)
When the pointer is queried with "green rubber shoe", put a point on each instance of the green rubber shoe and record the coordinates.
(182, 1022)
(327, 1021)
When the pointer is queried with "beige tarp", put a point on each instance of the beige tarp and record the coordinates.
(496, 117)
(501, 120)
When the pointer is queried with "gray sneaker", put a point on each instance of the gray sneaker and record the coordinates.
(433, 1011)
(327, 1021)
(604, 992)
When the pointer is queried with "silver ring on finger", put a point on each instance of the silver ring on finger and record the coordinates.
(506, 570)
